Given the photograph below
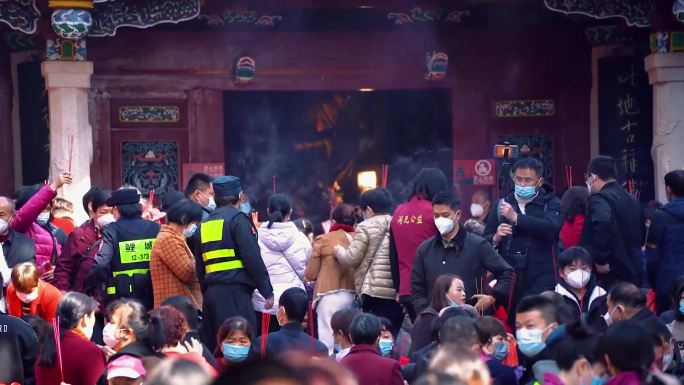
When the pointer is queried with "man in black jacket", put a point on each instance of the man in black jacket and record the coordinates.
(18, 350)
(294, 304)
(627, 302)
(456, 251)
(524, 227)
(614, 229)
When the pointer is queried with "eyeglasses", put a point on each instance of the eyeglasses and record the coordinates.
(525, 181)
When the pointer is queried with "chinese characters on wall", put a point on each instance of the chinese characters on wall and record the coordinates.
(625, 122)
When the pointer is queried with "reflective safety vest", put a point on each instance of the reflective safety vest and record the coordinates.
(130, 266)
(218, 249)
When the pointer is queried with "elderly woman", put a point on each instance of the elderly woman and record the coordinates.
(172, 265)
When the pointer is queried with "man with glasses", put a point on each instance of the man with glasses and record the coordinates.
(524, 228)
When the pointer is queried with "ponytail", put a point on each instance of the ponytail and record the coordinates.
(279, 205)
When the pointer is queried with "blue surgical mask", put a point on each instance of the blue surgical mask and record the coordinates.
(681, 307)
(337, 348)
(453, 303)
(386, 345)
(599, 380)
(188, 232)
(235, 352)
(530, 341)
(246, 208)
(500, 351)
(525, 192)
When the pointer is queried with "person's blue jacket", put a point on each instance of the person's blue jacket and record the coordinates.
(665, 246)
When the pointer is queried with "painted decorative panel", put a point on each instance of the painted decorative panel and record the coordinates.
(634, 12)
(21, 15)
(150, 165)
(149, 113)
(230, 17)
(112, 15)
(524, 108)
(422, 15)
(537, 146)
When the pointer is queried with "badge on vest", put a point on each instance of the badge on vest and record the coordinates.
(136, 251)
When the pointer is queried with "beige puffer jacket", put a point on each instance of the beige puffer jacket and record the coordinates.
(371, 235)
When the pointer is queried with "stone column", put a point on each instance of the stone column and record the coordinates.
(71, 138)
(666, 74)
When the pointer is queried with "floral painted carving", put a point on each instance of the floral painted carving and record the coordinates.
(664, 42)
(149, 114)
(112, 15)
(20, 15)
(634, 12)
(245, 69)
(419, 14)
(71, 23)
(241, 17)
(524, 108)
(437, 65)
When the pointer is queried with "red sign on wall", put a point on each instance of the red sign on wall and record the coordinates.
(211, 169)
(480, 172)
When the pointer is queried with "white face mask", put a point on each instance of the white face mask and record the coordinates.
(43, 218)
(444, 225)
(109, 335)
(476, 210)
(578, 278)
(28, 298)
(4, 226)
(104, 220)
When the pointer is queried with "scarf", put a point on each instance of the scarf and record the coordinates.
(80, 333)
(342, 226)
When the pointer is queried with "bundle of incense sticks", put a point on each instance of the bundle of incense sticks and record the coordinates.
(568, 175)
(385, 175)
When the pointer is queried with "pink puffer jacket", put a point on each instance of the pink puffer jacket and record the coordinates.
(25, 222)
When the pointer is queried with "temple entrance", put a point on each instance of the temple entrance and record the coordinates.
(315, 144)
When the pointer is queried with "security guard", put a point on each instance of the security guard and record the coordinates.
(229, 263)
(123, 262)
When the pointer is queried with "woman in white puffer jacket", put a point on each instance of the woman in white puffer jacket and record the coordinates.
(285, 251)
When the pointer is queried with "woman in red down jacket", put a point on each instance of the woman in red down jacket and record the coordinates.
(25, 220)
(574, 207)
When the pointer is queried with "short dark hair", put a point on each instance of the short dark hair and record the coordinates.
(605, 167)
(226, 200)
(628, 295)
(541, 304)
(96, 197)
(447, 314)
(628, 346)
(488, 328)
(184, 305)
(460, 331)
(531, 163)
(447, 198)
(342, 319)
(576, 253)
(386, 324)
(130, 211)
(170, 198)
(378, 199)
(578, 343)
(24, 194)
(296, 304)
(365, 329)
(344, 214)
(575, 202)
(675, 181)
(428, 183)
(198, 181)
(184, 212)
(264, 371)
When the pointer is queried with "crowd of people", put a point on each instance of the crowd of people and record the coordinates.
(582, 289)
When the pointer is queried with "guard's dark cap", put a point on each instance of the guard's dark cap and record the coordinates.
(225, 186)
(127, 196)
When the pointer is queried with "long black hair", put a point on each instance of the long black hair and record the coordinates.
(279, 205)
(71, 309)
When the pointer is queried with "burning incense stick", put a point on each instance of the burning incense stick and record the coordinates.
(71, 150)
(274, 184)
(55, 326)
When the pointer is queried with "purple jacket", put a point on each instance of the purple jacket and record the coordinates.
(24, 221)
